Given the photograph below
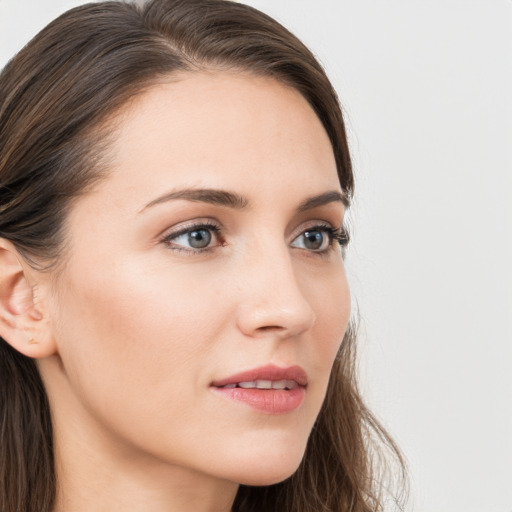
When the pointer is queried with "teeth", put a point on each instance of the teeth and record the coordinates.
(247, 385)
(284, 384)
(265, 384)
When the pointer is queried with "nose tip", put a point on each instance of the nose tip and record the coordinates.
(284, 323)
(275, 305)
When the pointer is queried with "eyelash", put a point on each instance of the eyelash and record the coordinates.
(339, 235)
(336, 235)
(167, 239)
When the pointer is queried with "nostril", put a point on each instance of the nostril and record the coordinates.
(266, 328)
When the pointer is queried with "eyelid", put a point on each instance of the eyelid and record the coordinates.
(181, 229)
(339, 236)
(312, 224)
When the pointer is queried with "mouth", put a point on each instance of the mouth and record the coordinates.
(263, 384)
(268, 389)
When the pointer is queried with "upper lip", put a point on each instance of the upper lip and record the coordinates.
(268, 372)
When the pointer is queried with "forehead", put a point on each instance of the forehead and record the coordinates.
(208, 128)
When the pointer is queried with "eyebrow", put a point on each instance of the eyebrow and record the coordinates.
(322, 199)
(238, 202)
(204, 195)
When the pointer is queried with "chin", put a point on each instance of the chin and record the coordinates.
(265, 480)
(270, 471)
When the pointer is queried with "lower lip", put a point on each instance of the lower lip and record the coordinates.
(270, 401)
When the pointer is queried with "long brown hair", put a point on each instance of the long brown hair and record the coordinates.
(56, 98)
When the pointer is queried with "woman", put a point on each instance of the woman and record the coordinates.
(174, 308)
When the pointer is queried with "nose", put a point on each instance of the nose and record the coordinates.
(272, 301)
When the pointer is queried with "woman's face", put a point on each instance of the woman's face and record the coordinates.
(207, 252)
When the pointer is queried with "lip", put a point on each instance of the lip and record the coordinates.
(268, 401)
(268, 372)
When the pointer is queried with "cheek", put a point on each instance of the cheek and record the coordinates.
(137, 347)
(331, 302)
(131, 335)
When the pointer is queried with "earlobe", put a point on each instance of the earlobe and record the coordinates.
(22, 323)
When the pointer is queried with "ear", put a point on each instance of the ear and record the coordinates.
(22, 321)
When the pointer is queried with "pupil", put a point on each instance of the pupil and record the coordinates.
(200, 238)
(314, 239)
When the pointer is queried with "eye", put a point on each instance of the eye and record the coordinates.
(316, 239)
(194, 238)
(320, 239)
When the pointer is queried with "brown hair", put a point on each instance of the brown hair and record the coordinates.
(56, 97)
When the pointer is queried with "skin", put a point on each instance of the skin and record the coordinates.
(137, 327)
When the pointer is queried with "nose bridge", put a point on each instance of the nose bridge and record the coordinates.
(273, 300)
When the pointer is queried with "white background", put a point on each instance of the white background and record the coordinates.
(426, 86)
